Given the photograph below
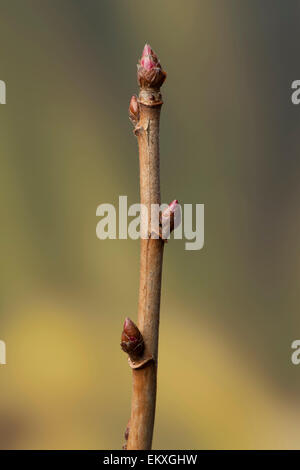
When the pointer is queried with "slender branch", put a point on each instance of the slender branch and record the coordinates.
(145, 114)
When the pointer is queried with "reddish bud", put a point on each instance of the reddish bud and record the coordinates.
(132, 340)
(170, 209)
(147, 51)
(150, 73)
(147, 63)
(134, 111)
(170, 219)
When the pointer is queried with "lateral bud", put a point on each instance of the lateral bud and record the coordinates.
(134, 110)
(170, 218)
(132, 340)
(126, 435)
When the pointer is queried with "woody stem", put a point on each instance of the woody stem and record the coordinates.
(151, 258)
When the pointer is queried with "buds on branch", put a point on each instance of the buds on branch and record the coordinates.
(150, 73)
(132, 340)
(134, 111)
(170, 218)
(126, 435)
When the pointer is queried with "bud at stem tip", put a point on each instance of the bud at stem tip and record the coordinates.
(150, 72)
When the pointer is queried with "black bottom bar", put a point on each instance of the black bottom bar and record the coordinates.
(132, 459)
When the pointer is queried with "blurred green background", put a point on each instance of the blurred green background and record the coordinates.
(229, 137)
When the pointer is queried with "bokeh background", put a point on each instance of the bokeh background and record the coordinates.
(229, 139)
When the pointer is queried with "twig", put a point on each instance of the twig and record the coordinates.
(145, 114)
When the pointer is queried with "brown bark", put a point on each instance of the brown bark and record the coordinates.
(151, 257)
(145, 113)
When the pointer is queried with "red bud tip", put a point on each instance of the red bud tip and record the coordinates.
(170, 210)
(126, 323)
(147, 50)
(173, 205)
(149, 58)
(170, 219)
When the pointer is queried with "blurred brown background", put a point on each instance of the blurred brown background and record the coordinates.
(229, 137)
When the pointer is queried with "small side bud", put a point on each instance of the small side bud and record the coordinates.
(134, 110)
(132, 340)
(126, 434)
(170, 219)
(150, 73)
